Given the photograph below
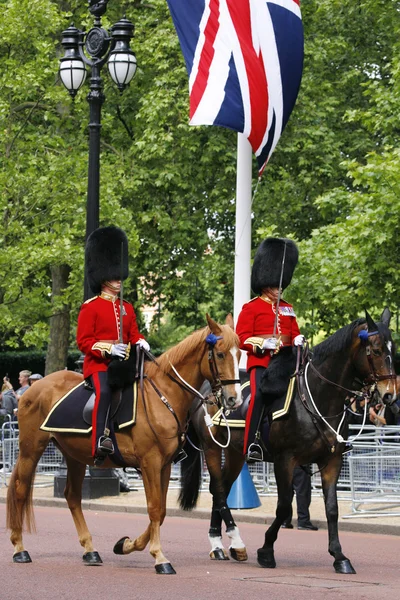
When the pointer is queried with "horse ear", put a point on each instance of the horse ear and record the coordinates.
(371, 326)
(385, 317)
(229, 321)
(213, 325)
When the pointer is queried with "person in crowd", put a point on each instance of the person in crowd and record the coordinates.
(24, 385)
(302, 489)
(8, 399)
(266, 324)
(381, 414)
(35, 377)
(99, 326)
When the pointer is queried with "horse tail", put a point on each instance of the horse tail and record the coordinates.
(16, 515)
(191, 474)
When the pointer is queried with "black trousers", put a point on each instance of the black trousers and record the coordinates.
(302, 489)
(255, 408)
(101, 407)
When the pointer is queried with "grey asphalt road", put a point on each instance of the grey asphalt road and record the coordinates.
(304, 570)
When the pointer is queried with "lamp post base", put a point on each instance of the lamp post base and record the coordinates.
(96, 483)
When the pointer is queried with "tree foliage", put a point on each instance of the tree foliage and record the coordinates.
(332, 183)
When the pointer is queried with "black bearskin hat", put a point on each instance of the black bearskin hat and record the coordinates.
(267, 265)
(103, 256)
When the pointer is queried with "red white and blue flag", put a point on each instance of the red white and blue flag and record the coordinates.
(245, 61)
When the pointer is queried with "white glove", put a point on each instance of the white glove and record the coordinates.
(298, 340)
(143, 344)
(119, 350)
(269, 344)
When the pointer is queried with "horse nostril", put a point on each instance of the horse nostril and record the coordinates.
(388, 399)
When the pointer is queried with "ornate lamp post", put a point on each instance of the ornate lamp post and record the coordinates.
(94, 50)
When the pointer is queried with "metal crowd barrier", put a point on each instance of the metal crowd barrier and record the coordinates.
(370, 476)
(374, 466)
(9, 447)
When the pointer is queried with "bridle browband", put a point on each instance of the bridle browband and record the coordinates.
(373, 377)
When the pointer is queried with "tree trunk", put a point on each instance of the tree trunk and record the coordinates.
(57, 351)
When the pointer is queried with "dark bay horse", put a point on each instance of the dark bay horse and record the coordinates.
(211, 353)
(357, 357)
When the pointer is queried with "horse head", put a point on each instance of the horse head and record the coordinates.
(220, 365)
(375, 354)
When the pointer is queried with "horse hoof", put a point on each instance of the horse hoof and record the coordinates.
(239, 554)
(219, 554)
(119, 546)
(92, 558)
(265, 558)
(22, 557)
(165, 569)
(344, 567)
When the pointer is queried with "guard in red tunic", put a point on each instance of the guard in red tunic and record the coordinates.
(266, 324)
(99, 326)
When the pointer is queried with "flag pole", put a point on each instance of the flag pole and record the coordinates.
(241, 293)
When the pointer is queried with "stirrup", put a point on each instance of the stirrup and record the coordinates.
(254, 453)
(105, 446)
(179, 456)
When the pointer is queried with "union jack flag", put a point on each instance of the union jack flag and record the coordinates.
(245, 60)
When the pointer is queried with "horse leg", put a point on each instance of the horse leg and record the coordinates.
(156, 488)
(234, 461)
(329, 476)
(20, 491)
(283, 467)
(73, 496)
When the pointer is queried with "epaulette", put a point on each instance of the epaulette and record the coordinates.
(90, 300)
(255, 298)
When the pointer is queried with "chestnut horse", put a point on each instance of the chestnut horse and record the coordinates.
(357, 357)
(169, 388)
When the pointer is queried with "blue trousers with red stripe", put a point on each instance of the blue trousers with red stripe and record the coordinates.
(101, 407)
(255, 408)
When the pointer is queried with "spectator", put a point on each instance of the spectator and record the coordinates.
(24, 385)
(302, 489)
(384, 415)
(34, 377)
(8, 402)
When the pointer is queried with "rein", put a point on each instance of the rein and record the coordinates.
(370, 381)
(216, 387)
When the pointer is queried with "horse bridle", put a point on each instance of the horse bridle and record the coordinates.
(217, 383)
(373, 376)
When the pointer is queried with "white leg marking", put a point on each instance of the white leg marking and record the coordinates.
(236, 540)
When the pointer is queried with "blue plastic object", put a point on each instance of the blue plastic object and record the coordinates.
(243, 493)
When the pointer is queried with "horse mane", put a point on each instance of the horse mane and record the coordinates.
(337, 342)
(178, 353)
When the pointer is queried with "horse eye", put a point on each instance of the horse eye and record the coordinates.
(376, 352)
(220, 355)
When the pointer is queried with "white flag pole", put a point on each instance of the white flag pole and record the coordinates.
(241, 293)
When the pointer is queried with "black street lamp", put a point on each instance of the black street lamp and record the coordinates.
(94, 50)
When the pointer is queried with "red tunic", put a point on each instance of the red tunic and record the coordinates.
(256, 322)
(98, 329)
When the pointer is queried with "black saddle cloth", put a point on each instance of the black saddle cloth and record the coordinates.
(67, 415)
(276, 392)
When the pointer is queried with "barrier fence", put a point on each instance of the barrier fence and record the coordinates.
(370, 476)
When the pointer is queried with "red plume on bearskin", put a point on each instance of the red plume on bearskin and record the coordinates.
(103, 256)
(267, 265)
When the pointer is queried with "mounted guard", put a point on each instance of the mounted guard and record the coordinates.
(107, 329)
(266, 324)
